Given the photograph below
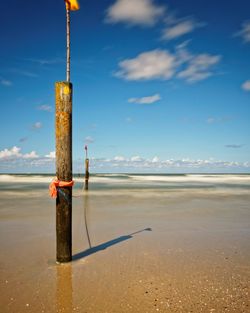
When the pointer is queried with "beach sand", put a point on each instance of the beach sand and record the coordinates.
(152, 251)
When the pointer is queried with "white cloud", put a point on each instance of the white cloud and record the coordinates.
(119, 158)
(199, 68)
(15, 153)
(37, 125)
(244, 33)
(135, 12)
(31, 155)
(5, 82)
(140, 163)
(51, 155)
(136, 158)
(9, 153)
(14, 158)
(145, 100)
(156, 64)
(45, 107)
(155, 159)
(89, 139)
(246, 85)
(181, 28)
(161, 64)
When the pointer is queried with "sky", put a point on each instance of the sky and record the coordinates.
(158, 86)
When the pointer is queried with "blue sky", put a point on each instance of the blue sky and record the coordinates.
(159, 86)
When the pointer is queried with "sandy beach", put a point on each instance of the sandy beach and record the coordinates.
(134, 250)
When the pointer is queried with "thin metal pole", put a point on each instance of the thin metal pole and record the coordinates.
(68, 46)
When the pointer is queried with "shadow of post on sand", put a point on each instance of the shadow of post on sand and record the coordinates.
(106, 245)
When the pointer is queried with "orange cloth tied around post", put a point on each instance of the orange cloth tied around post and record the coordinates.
(58, 183)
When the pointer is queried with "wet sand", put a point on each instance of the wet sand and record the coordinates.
(154, 251)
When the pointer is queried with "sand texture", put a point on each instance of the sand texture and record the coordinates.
(146, 251)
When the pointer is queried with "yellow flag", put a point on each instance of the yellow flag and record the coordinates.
(72, 5)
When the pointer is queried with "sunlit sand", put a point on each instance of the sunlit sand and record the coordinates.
(151, 247)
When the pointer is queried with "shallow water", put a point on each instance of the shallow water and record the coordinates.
(133, 181)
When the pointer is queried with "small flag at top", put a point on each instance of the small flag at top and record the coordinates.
(72, 5)
(86, 147)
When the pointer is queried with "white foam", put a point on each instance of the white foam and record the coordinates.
(206, 178)
(106, 179)
(138, 179)
(25, 178)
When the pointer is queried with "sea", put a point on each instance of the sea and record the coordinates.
(163, 182)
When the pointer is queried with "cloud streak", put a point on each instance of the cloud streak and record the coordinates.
(244, 33)
(199, 68)
(89, 140)
(181, 28)
(23, 139)
(43, 62)
(23, 73)
(5, 82)
(45, 107)
(218, 120)
(37, 126)
(234, 146)
(145, 100)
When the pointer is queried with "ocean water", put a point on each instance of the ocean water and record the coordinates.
(168, 182)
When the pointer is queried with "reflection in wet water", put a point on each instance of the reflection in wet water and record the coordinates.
(64, 289)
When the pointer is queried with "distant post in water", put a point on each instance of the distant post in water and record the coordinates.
(86, 186)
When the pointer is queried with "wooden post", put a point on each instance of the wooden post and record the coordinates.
(64, 171)
(86, 174)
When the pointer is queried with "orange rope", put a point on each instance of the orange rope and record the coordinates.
(58, 183)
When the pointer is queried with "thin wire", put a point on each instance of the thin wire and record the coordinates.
(85, 218)
(68, 46)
